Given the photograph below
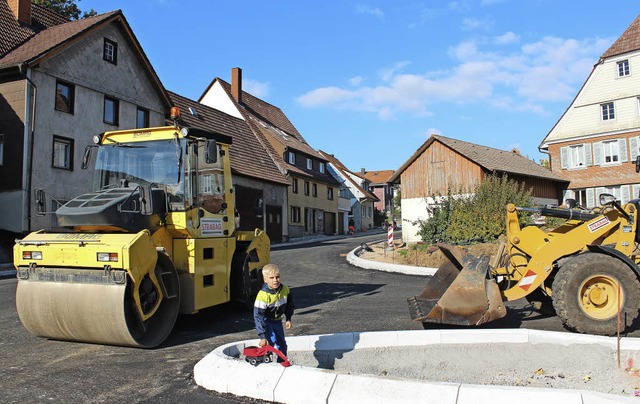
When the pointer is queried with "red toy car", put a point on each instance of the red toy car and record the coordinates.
(256, 355)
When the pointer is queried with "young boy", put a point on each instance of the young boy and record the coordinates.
(273, 301)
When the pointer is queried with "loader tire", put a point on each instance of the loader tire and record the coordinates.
(585, 294)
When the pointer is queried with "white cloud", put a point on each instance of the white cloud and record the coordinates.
(387, 74)
(549, 70)
(506, 38)
(374, 11)
(256, 88)
(473, 24)
(355, 81)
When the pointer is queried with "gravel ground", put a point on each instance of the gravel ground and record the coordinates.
(583, 367)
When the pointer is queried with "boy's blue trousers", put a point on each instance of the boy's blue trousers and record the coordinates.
(275, 336)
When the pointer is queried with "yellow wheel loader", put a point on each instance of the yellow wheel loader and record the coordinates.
(155, 238)
(586, 271)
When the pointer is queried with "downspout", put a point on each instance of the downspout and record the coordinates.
(31, 92)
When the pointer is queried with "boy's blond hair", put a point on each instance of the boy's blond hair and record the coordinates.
(268, 269)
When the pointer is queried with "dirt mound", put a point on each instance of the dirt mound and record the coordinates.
(421, 255)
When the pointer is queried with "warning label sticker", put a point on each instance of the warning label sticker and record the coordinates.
(599, 224)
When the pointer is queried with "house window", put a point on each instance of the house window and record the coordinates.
(314, 190)
(64, 97)
(322, 168)
(1, 149)
(62, 153)
(576, 156)
(292, 158)
(329, 193)
(309, 164)
(306, 188)
(294, 187)
(111, 110)
(110, 51)
(623, 68)
(610, 151)
(295, 214)
(142, 118)
(607, 111)
(615, 191)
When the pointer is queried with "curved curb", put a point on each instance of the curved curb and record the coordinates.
(223, 371)
(354, 259)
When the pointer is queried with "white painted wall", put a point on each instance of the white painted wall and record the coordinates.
(583, 118)
(217, 98)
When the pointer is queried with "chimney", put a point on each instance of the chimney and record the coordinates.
(236, 84)
(22, 10)
(363, 171)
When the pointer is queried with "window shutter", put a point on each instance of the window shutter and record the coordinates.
(635, 191)
(597, 154)
(590, 199)
(622, 149)
(624, 194)
(588, 157)
(599, 191)
(633, 146)
(564, 157)
(568, 194)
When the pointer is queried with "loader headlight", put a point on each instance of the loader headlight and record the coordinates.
(107, 257)
(32, 255)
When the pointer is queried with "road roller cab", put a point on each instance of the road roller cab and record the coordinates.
(156, 236)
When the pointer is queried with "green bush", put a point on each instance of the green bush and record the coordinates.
(479, 216)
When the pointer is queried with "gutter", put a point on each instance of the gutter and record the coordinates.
(31, 92)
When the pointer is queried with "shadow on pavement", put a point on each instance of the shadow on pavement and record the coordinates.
(311, 295)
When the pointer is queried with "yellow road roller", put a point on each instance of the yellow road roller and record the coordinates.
(156, 237)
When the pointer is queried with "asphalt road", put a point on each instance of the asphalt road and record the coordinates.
(331, 296)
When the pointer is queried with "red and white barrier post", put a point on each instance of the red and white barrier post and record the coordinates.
(390, 236)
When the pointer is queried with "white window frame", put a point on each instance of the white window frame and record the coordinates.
(206, 184)
(291, 158)
(610, 152)
(62, 153)
(623, 68)
(294, 186)
(309, 164)
(322, 168)
(615, 191)
(576, 156)
(607, 111)
(110, 51)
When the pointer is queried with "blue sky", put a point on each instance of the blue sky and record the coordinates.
(370, 81)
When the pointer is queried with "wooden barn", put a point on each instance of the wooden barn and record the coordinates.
(442, 163)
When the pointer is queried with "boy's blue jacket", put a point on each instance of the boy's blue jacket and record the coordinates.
(272, 305)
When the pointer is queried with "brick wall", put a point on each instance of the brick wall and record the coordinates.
(596, 176)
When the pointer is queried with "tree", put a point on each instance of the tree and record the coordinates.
(66, 8)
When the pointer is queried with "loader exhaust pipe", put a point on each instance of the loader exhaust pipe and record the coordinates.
(459, 293)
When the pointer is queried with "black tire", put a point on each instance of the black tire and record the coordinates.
(245, 284)
(585, 294)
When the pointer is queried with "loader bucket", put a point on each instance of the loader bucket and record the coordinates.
(459, 292)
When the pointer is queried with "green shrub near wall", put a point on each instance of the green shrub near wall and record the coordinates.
(479, 216)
